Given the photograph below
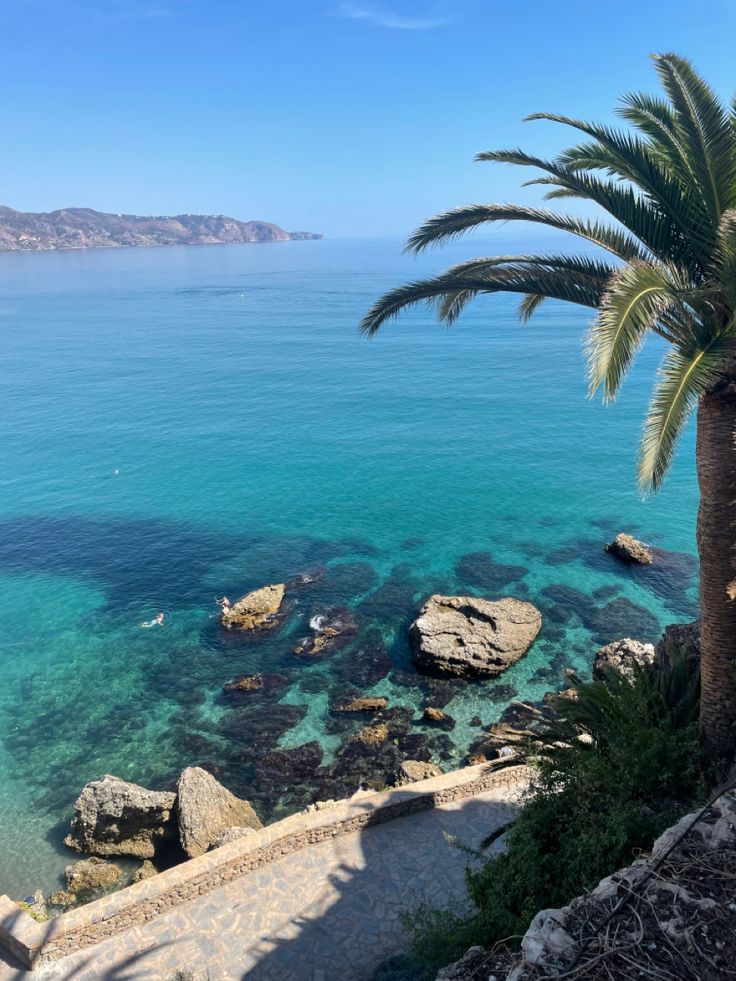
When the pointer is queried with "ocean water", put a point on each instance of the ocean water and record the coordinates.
(182, 423)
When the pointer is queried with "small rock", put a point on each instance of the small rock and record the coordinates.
(145, 871)
(91, 874)
(205, 809)
(628, 549)
(436, 717)
(372, 735)
(412, 771)
(366, 704)
(256, 610)
(231, 834)
(246, 682)
(62, 898)
(621, 656)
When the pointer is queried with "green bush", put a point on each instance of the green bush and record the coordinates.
(621, 765)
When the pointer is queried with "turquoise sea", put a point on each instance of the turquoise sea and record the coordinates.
(178, 423)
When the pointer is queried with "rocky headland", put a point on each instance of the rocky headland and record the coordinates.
(84, 228)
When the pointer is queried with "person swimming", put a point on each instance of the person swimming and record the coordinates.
(158, 621)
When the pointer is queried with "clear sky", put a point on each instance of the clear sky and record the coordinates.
(350, 118)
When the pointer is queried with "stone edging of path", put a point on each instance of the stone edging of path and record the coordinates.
(35, 943)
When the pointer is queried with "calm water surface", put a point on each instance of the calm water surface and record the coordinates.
(179, 423)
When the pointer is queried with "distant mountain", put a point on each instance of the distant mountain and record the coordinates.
(83, 228)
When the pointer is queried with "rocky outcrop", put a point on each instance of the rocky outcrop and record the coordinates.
(412, 771)
(680, 640)
(255, 611)
(473, 638)
(114, 817)
(628, 549)
(364, 704)
(331, 630)
(91, 874)
(436, 717)
(83, 228)
(144, 871)
(621, 656)
(205, 809)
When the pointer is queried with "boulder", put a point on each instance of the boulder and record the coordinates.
(628, 549)
(621, 656)
(680, 640)
(436, 717)
(91, 874)
(62, 899)
(372, 735)
(411, 771)
(205, 809)
(256, 610)
(245, 682)
(231, 834)
(473, 638)
(145, 871)
(114, 817)
(366, 704)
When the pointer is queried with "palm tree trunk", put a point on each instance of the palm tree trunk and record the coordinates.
(716, 465)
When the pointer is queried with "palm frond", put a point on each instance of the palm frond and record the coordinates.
(724, 267)
(705, 131)
(684, 375)
(637, 296)
(451, 224)
(541, 278)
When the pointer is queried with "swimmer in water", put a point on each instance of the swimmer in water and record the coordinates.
(223, 603)
(158, 621)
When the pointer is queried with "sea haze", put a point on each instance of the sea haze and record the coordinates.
(182, 422)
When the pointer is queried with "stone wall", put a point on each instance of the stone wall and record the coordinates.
(38, 943)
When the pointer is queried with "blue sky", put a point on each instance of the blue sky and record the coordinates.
(350, 118)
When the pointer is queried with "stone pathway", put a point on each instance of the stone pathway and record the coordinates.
(327, 913)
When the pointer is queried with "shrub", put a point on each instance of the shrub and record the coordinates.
(621, 764)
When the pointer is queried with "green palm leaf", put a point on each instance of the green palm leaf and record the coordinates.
(451, 224)
(638, 296)
(684, 375)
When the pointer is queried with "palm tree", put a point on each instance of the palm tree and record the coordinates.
(669, 184)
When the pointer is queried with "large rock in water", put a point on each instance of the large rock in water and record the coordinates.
(471, 637)
(114, 817)
(628, 549)
(256, 611)
(621, 656)
(206, 809)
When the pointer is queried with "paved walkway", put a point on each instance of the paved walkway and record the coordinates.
(327, 913)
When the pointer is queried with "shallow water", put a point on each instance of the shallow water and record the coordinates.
(179, 423)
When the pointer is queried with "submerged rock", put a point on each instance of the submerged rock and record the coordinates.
(471, 637)
(372, 735)
(621, 656)
(331, 630)
(628, 549)
(63, 899)
(412, 771)
(436, 717)
(114, 817)
(256, 610)
(91, 874)
(205, 809)
(365, 704)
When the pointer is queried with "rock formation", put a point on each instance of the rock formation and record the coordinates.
(83, 228)
(365, 704)
(256, 610)
(628, 549)
(91, 874)
(470, 637)
(205, 809)
(114, 817)
(621, 656)
(411, 771)
(144, 871)
(680, 640)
